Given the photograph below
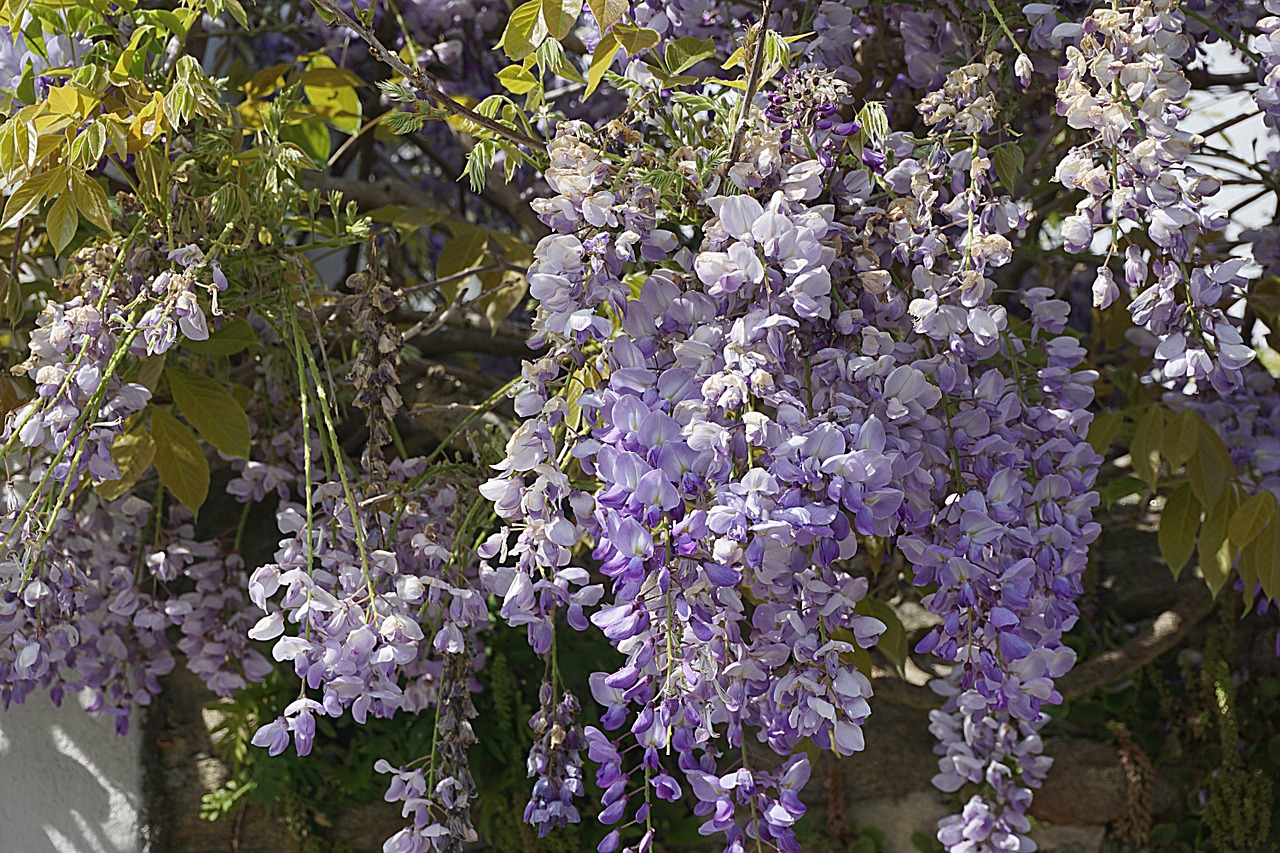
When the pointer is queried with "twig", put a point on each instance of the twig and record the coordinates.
(1164, 633)
(753, 82)
(425, 84)
(1226, 124)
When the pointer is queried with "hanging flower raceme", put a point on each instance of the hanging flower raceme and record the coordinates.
(1123, 83)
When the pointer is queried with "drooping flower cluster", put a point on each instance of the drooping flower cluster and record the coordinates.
(702, 493)
(1124, 83)
(757, 378)
(93, 608)
(747, 423)
(81, 404)
(355, 585)
(1267, 44)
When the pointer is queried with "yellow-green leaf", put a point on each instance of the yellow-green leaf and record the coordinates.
(524, 32)
(338, 104)
(312, 137)
(325, 75)
(132, 453)
(517, 80)
(634, 39)
(266, 81)
(606, 50)
(1252, 517)
(91, 200)
(1144, 450)
(1104, 429)
(26, 197)
(1180, 437)
(211, 410)
(71, 100)
(607, 11)
(180, 460)
(1179, 523)
(684, 53)
(88, 146)
(559, 16)
(62, 222)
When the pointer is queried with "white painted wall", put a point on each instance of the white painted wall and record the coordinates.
(68, 782)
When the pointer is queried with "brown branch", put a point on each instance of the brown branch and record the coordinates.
(425, 84)
(753, 81)
(1203, 79)
(1165, 632)
(452, 339)
(369, 195)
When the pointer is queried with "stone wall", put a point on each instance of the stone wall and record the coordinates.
(68, 782)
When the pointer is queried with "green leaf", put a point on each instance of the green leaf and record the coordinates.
(405, 219)
(237, 12)
(1104, 429)
(91, 200)
(559, 16)
(606, 50)
(62, 222)
(180, 460)
(1260, 563)
(607, 11)
(211, 410)
(893, 642)
(1179, 523)
(524, 32)
(1216, 551)
(236, 335)
(1252, 517)
(684, 53)
(1121, 487)
(499, 302)
(634, 39)
(1180, 437)
(1209, 466)
(338, 104)
(1144, 450)
(466, 249)
(11, 304)
(150, 369)
(132, 453)
(1009, 159)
